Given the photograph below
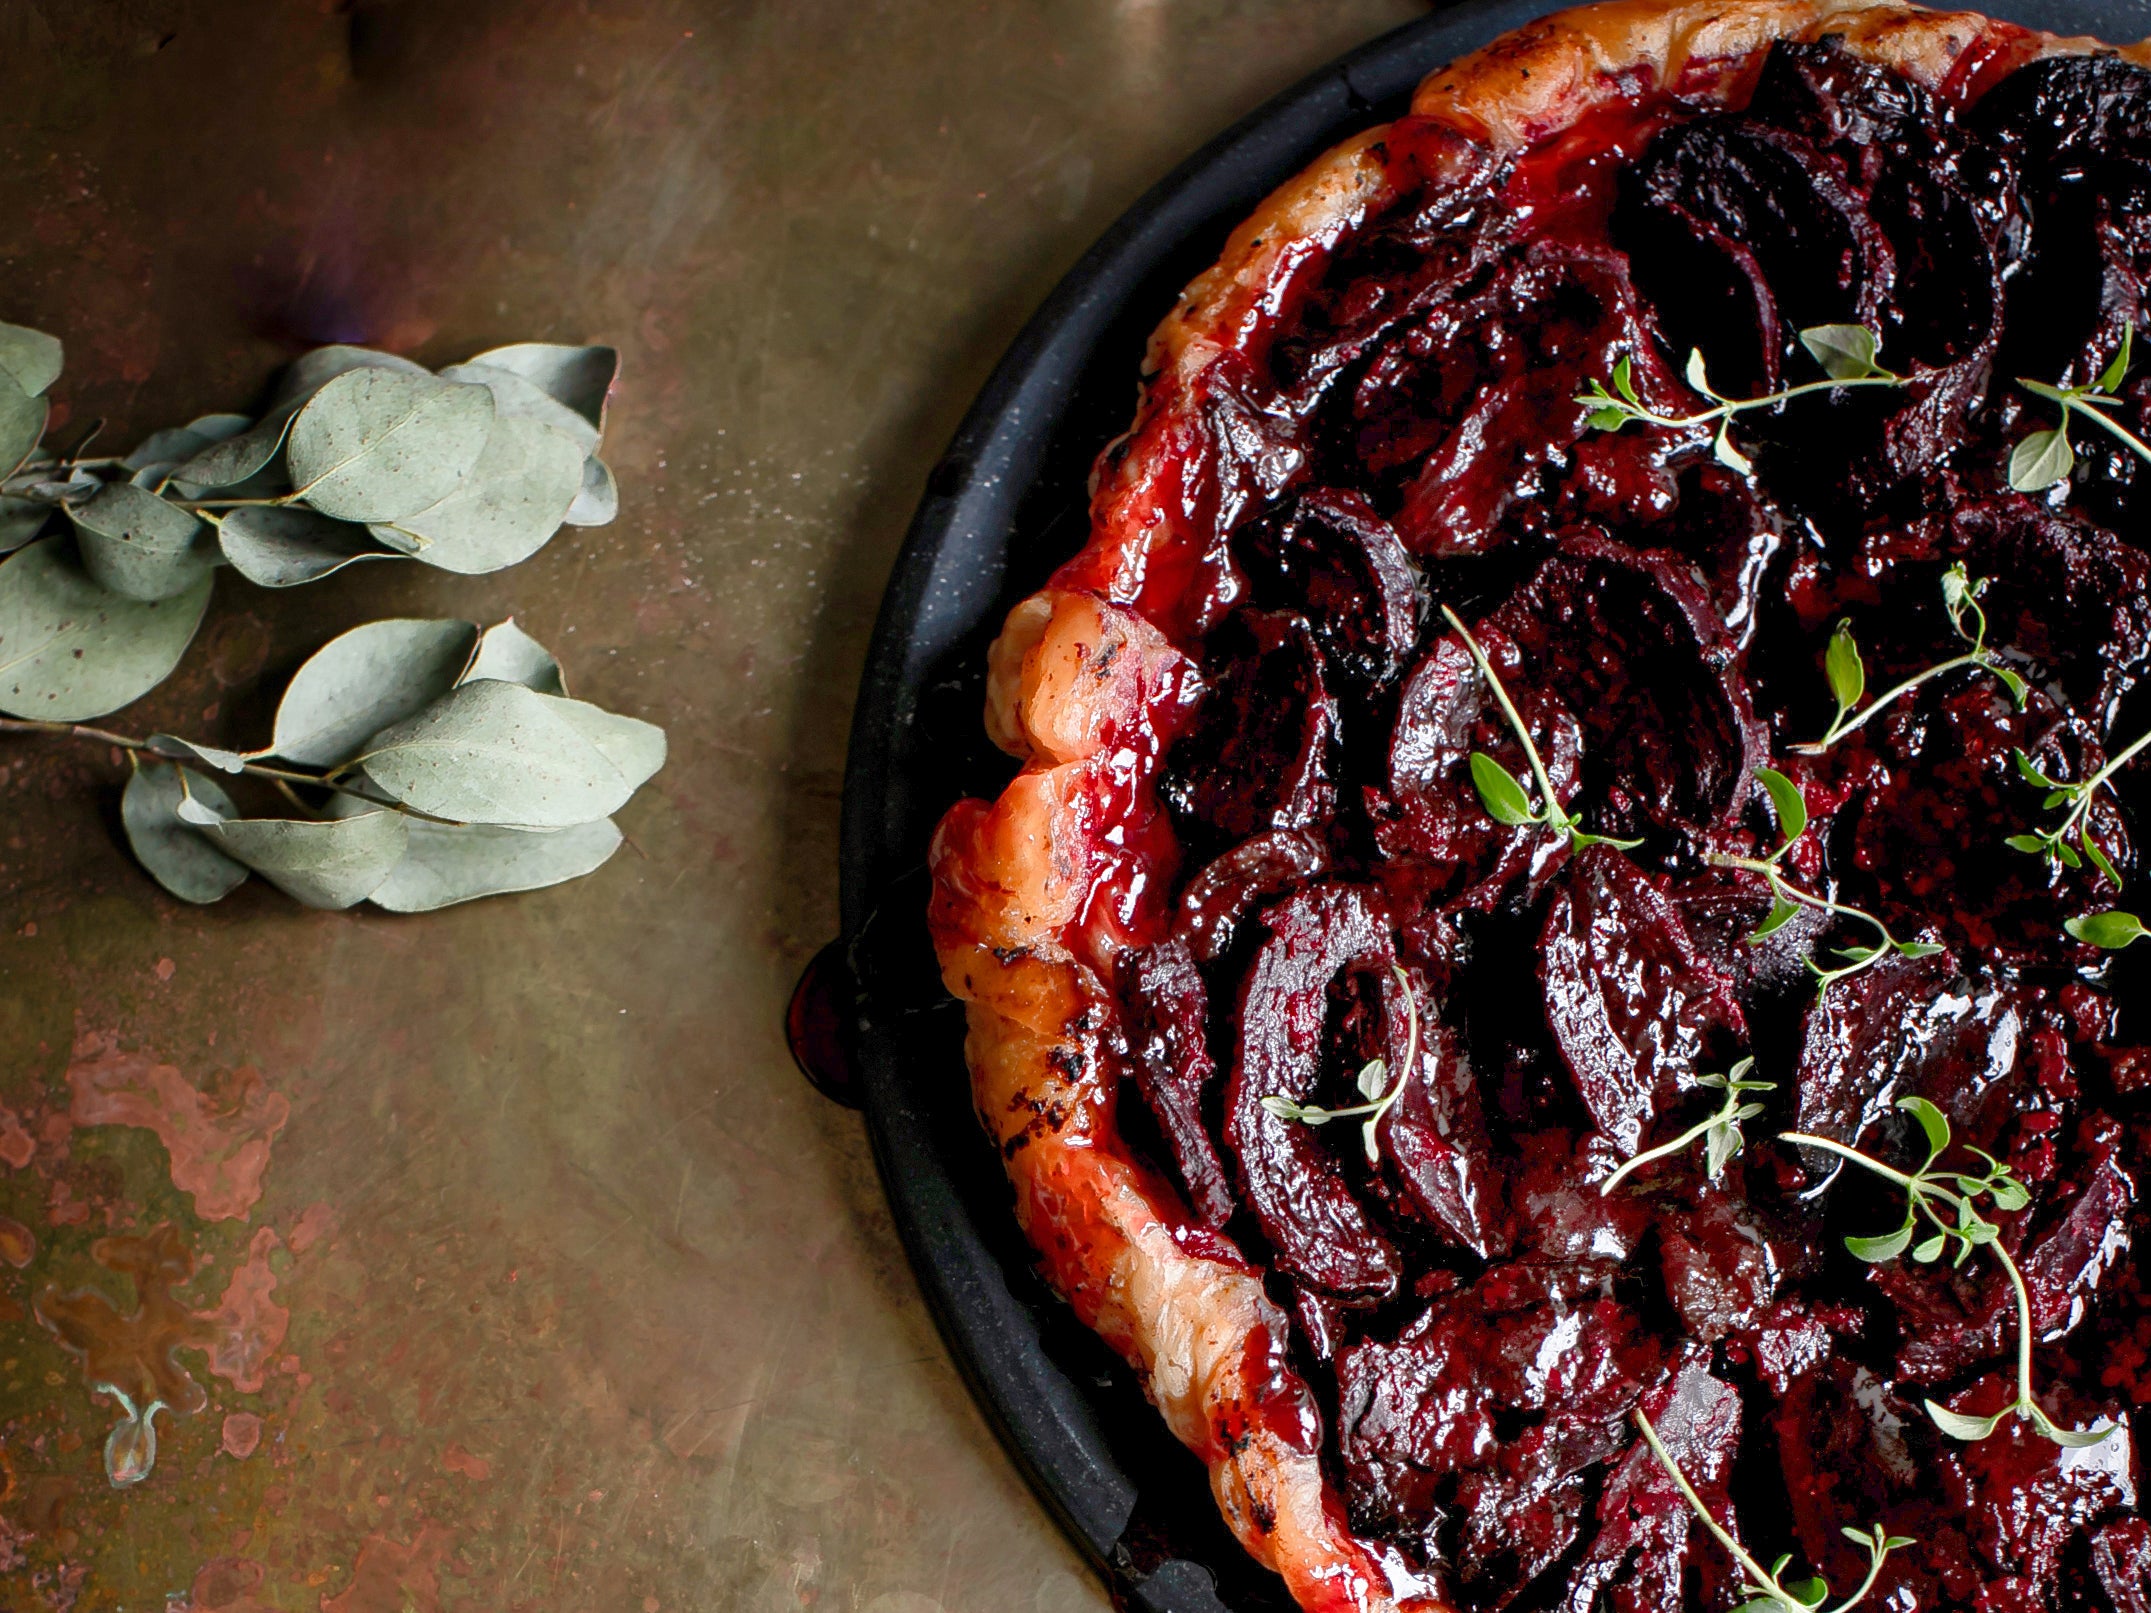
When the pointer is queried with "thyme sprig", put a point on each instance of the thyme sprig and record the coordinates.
(1720, 1134)
(1766, 1588)
(1947, 1203)
(1847, 354)
(2055, 844)
(1373, 1083)
(1848, 674)
(2045, 458)
(1501, 792)
(1787, 899)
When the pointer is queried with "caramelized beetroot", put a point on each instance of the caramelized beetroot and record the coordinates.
(1314, 1223)
(1477, 1318)
(1636, 1010)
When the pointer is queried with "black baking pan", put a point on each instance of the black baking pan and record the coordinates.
(1004, 506)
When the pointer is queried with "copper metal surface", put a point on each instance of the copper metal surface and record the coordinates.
(516, 1266)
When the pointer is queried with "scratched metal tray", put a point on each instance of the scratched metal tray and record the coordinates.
(1003, 507)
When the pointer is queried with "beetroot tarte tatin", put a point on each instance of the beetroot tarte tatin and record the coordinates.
(1556, 974)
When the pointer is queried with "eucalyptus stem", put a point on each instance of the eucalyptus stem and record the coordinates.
(281, 777)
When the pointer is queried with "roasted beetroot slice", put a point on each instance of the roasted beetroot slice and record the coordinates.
(1821, 253)
(1434, 819)
(1434, 1139)
(1720, 1266)
(1289, 1170)
(1218, 900)
(1866, 1036)
(2121, 1563)
(1835, 101)
(2072, 596)
(1629, 641)
(1564, 310)
(1636, 1010)
(1851, 1447)
(1415, 1413)
(2069, 108)
(1259, 754)
(1328, 556)
(1648, 1538)
(1167, 1016)
(1710, 293)
(2023, 1500)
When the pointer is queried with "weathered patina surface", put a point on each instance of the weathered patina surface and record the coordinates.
(507, 1262)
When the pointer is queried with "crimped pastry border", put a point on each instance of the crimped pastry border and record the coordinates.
(1082, 660)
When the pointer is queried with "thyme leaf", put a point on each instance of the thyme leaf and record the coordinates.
(2111, 930)
(2045, 459)
(1847, 674)
(1846, 353)
(1720, 1134)
(1500, 791)
(1766, 1588)
(1787, 898)
(2070, 842)
(1946, 1203)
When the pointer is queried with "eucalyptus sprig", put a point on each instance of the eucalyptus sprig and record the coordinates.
(2045, 458)
(2070, 842)
(1847, 354)
(1720, 1134)
(1766, 1588)
(1373, 1083)
(1501, 792)
(418, 763)
(1848, 674)
(1787, 899)
(1947, 1203)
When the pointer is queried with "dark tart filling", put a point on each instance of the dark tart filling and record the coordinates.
(1659, 602)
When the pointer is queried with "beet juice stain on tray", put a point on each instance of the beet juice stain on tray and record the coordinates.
(1411, 1016)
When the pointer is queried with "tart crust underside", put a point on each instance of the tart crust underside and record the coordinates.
(1080, 664)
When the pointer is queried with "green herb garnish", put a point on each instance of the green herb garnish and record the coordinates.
(2045, 459)
(1848, 674)
(1720, 1134)
(1791, 810)
(1502, 793)
(2071, 842)
(1766, 1588)
(1373, 1083)
(1847, 354)
(2111, 930)
(1946, 1205)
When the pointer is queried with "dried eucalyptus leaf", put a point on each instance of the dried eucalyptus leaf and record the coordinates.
(283, 546)
(218, 427)
(173, 748)
(381, 445)
(635, 747)
(139, 545)
(599, 500)
(70, 650)
(447, 864)
(505, 510)
(333, 863)
(171, 446)
(579, 377)
(361, 682)
(30, 357)
(21, 519)
(176, 854)
(512, 503)
(522, 399)
(494, 752)
(310, 372)
(508, 653)
(22, 423)
(238, 458)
